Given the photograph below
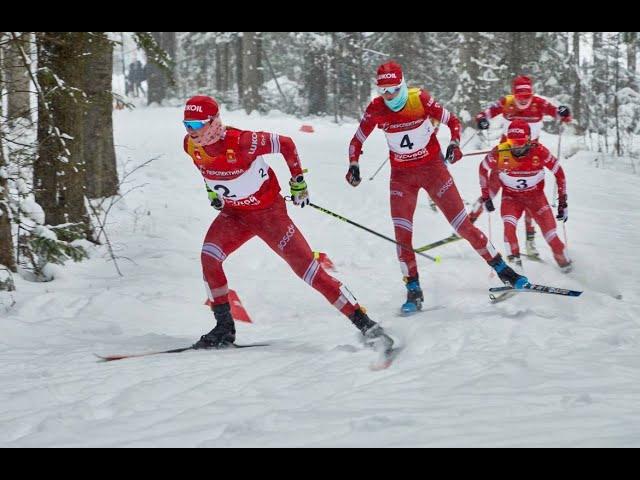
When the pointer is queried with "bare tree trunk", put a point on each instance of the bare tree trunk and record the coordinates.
(7, 257)
(100, 155)
(240, 68)
(577, 84)
(157, 79)
(615, 96)
(251, 56)
(59, 169)
(17, 79)
(632, 55)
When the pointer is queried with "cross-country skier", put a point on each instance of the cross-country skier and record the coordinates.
(404, 115)
(522, 104)
(246, 192)
(519, 165)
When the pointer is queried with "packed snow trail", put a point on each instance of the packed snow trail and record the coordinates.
(534, 370)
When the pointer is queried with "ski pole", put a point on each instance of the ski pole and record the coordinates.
(555, 188)
(437, 259)
(475, 132)
(379, 168)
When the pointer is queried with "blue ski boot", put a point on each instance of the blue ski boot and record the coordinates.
(415, 296)
(507, 274)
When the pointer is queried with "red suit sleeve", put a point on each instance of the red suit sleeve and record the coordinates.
(553, 164)
(548, 108)
(367, 124)
(493, 110)
(438, 112)
(264, 143)
(484, 170)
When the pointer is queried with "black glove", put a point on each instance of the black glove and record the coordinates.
(353, 175)
(483, 124)
(563, 208)
(564, 111)
(216, 200)
(488, 204)
(453, 152)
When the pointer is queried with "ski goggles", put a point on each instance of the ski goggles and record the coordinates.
(195, 125)
(392, 90)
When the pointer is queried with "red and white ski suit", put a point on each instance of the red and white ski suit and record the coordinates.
(234, 167)
(522, 179)
(416, 162)
(533, 115)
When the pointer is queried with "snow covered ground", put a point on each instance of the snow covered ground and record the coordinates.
(536, 370)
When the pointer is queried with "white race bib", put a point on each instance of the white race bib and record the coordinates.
(521, 183)
(245, 185)
(410, 141)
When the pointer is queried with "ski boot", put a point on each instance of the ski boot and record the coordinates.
(509, 277)
(532, 251)
(373, 334)
(415, 296)
(516, 262)
(224, 333)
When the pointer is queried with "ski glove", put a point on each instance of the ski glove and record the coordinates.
(563, 208)
(353, 175)
(453, 152)
(564, 113)
(299, 191)
(483, 124)
(216, 200)
(488, 204)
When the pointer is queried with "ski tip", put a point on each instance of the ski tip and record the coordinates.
(386, 360)
(438, 259)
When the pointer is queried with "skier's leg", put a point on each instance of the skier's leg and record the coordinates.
(226, 234)
(443, 190)
(403, 199)
(276, 229)
(511, 210)
(543, 215)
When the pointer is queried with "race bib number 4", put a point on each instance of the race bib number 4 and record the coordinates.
(410, 141)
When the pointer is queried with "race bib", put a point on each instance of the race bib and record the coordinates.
(245, 185)
(521, 183)
(410, 141)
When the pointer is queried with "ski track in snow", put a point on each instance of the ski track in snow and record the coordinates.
(535, 370)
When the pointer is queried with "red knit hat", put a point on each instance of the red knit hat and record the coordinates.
(522, 87)
(200, 107)
(519, 132)
(389, 74)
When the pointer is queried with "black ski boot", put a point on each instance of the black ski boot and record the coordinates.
(509, 277)
(374, 335)
(224, 333)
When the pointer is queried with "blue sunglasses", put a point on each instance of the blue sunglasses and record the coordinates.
(393, 89)
(195, 125)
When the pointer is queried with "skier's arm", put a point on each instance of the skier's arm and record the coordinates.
(367, 124)
(264, 143)
(491, 111)
(442, 115)
(486, 167)
(553, 164)
(484, 170)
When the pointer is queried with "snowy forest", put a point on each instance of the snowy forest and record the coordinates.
(58, 94)
(57, 163)
(103, 216)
